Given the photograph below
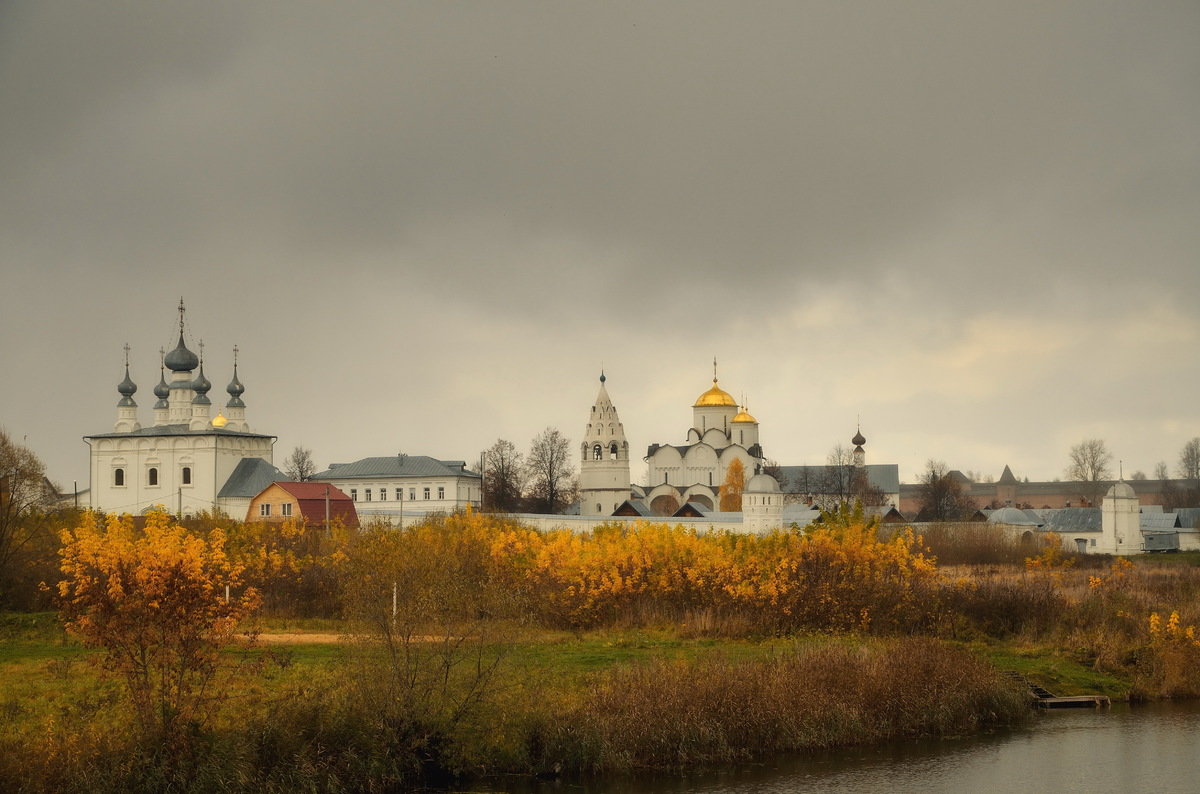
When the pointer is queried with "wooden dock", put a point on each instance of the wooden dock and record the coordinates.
(1045, 699)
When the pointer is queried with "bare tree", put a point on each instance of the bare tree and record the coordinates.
(299, 465)
(1090, 464)
(24, 492)
(1138, 475)
(942, 495)
(1160, 471)
(503, 477)
(549, 468)
(837, 481)
(1189, 460)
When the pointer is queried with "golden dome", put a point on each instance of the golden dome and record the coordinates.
(715, 396)
(743, 416)
(219, 420)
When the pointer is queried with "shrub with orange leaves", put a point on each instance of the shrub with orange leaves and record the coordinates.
(155, 602)
(1170, 665)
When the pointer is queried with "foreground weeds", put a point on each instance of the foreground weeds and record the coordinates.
(676, 714)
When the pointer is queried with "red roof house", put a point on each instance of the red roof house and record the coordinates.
(310, 501)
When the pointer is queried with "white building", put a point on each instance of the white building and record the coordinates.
(604, 482)
(401, 489)
(694, 471)
(186, 460)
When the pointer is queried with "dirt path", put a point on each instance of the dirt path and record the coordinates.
(300, 639)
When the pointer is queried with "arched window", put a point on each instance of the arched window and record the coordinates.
(119, 477)
(597, 452)
(612, 450)
(152, 476)
(185, 476)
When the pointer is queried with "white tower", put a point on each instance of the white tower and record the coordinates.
(604, 465)
(1120, 516)
(744, 429)
(762, 505)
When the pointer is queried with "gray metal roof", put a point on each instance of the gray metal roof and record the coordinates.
(178, 430)
(1158, 521)
(249, 478)
(1015, 517)
(808, 479)
(395, 466)
(1188, 517)
(1071, 519)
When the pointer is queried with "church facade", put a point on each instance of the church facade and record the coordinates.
(721, 432)
(693, 471)
(187, 460)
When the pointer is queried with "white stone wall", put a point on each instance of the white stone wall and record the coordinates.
(211, 459)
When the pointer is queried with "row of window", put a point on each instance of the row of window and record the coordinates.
(185, 476)
(383, 494)
(285, 510)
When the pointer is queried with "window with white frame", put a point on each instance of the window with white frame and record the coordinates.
(119, 478)
(285, 509)
(353, 494)
(264, 510)
(412, 494)
(367, 495)
(185, 475)
(152, 476)
(426, 493)
(441, 492)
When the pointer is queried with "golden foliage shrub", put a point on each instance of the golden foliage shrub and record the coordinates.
(155, 602)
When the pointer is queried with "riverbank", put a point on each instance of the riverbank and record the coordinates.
(553, 704)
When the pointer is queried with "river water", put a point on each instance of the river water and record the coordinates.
(1150, 748)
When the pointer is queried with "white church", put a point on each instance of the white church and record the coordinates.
(691, 472)
(186, 460)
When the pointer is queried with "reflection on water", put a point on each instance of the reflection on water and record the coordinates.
(1152, 748)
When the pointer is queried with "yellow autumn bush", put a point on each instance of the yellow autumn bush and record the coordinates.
(155, 601)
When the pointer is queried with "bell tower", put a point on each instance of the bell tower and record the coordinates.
(604, 463)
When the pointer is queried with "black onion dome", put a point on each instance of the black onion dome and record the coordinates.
(858, 439)
(162, 391)
(181, 359)
(127, 388)
(235, 390)
(201, 384)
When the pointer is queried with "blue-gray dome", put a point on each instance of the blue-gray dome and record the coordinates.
(235, 390)
(181, 359)
(162, 391)
(127, 388)
(201, 385)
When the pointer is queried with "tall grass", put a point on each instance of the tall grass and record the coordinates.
(674, 714)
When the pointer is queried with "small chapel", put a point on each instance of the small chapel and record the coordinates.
(186, 460)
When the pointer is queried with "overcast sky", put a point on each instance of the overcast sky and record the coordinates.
(429, 225)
